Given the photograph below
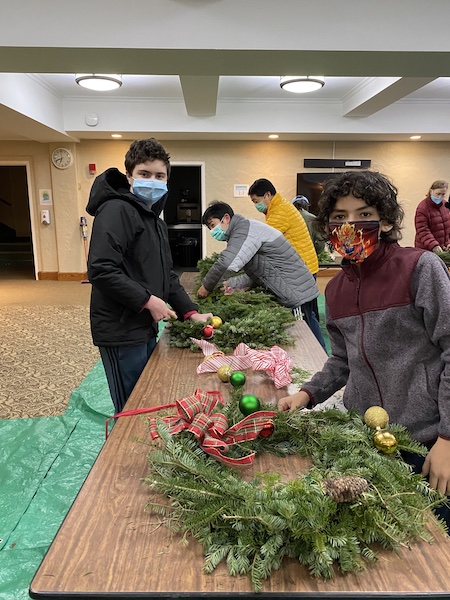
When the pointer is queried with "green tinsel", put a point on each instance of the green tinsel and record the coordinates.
(254, 525)
(253, 317)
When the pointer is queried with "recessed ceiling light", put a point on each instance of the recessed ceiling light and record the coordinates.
(116, 135)
(415, 137)
(274, 136)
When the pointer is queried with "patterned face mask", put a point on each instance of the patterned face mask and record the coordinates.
(354, 240)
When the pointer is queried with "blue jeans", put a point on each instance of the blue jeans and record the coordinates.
(123, 367)
(312, 322)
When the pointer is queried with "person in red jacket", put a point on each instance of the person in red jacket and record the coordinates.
(432, 220)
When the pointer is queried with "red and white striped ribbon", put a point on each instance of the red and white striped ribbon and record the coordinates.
(276, 362)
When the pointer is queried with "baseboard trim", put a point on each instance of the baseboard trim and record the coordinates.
(55, 276)
(328, 271)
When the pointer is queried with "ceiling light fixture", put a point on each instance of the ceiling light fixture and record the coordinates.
(116, 135)
(300, 84)
(99, 82)
(415, 137)
(273, 136)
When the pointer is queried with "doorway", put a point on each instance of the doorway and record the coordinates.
(182, 213)
(16, 247)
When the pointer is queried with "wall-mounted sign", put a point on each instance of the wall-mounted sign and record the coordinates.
(45, 197)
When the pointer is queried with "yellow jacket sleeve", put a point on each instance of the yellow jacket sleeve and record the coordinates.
(283, 215)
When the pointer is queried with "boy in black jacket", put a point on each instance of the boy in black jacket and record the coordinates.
(130, 266)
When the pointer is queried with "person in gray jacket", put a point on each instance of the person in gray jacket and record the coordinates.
(267, 259)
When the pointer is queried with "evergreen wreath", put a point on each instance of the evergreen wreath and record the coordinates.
(352, 496)
(254, 317)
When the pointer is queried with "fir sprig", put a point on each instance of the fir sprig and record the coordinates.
(253, 317)
(253, 525)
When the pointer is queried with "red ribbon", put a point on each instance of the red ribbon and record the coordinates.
(196, 415)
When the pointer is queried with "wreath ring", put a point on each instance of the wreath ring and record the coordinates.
(329, 518)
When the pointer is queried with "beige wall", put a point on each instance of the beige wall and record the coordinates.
(412, 166)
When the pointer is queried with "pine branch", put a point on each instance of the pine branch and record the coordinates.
(254, 524)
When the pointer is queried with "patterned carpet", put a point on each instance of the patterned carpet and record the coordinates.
(46, 352)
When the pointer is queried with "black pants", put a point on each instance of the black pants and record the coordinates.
(123, 367)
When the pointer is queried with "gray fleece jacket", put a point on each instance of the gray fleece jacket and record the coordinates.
(267, 259)
(389, 327)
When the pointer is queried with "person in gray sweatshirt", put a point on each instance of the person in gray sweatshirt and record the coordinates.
(388, 321)
(267, 259)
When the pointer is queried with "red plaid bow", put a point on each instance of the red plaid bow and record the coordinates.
(195, 414)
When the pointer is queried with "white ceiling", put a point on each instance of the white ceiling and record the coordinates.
(209, 69)
(336, 89)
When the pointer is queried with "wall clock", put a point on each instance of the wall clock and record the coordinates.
(62, 158)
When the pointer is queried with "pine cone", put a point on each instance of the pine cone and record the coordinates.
(345, 489)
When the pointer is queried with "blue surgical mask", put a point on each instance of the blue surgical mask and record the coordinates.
(149, 190)
(436, 200)
(261, 207)
(218, 233)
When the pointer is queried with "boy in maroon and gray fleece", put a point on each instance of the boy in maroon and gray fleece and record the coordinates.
(388, 321)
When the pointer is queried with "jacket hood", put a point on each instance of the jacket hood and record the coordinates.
(113, 185)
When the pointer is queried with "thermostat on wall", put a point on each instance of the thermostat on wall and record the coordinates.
(240, 190)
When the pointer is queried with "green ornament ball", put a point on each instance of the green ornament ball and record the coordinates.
(237, 379)
(249, 404)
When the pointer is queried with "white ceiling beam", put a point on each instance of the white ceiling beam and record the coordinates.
(378, 93)
(200, 94)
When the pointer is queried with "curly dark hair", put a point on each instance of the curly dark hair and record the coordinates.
(141, 151)
(374, 188)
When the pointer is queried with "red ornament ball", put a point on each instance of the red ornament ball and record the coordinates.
(208, 332)
(267, 430)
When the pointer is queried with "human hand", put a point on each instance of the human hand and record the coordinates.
(437, 466)
(202, 292)
(159, 309)
(202, 317)
(227, 289)
(291, 403)
(437, 249)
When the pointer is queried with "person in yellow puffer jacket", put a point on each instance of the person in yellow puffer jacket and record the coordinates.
(282, 215)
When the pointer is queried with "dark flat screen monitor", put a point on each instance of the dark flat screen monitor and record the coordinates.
(311, 185)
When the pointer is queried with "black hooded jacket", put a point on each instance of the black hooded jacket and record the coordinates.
(129, 260)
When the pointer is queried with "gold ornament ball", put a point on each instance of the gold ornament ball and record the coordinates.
(385, 441)
(376, 416)
(214, 354)
(216, 322)
(224, 373)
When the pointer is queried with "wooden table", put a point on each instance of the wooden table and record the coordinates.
(109, 546)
